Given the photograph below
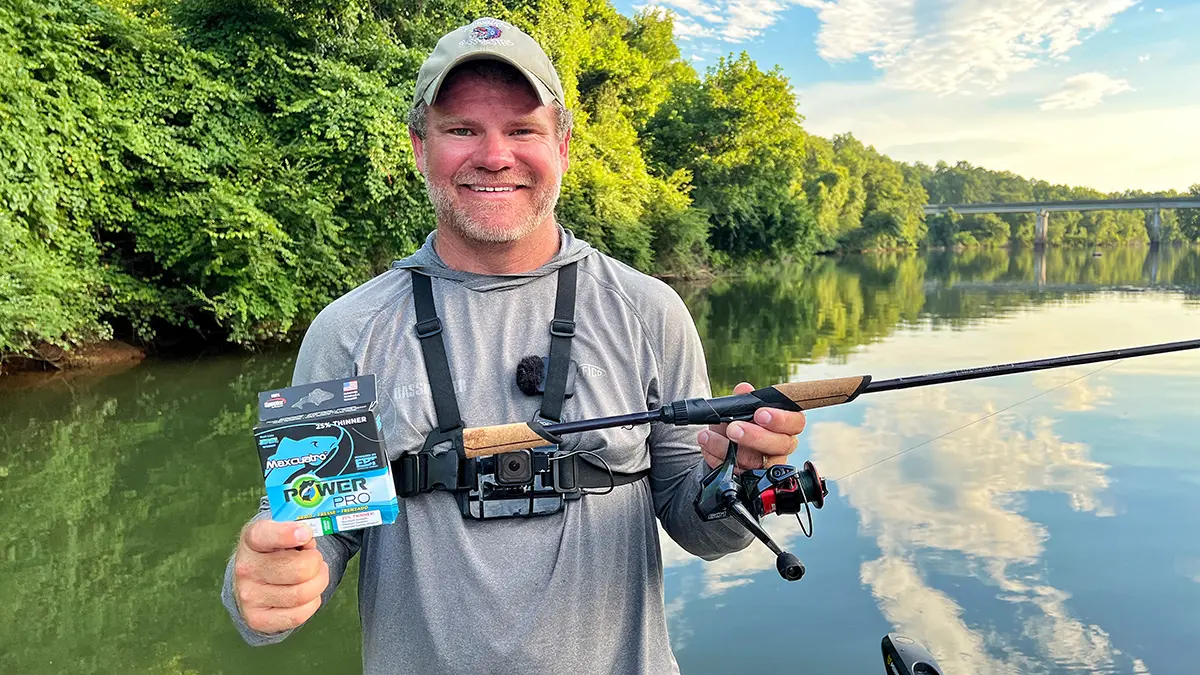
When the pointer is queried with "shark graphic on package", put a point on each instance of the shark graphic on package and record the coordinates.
(291, 454)
(316, 397)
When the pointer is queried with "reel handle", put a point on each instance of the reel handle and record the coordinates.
(789, 566)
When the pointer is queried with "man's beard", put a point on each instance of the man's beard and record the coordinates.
(476, 224)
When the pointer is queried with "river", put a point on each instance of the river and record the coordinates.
(1033, 523)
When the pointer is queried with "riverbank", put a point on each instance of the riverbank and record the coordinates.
(50, 360)
(47, 358)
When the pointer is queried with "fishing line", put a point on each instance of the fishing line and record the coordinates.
(362, 435)
(964, 426)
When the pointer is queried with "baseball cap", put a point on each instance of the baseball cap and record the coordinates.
(488, 38)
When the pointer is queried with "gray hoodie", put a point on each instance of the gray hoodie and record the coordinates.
(577, 592)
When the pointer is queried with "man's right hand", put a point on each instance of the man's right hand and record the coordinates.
(278, 575)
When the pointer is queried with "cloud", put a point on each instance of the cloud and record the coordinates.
(1143, 58)
(941, 47)
(1083, 91)
(932, 616)
(968, 46)
(680, 631)
(964, 501)
(1062, 638)
(696, 8)
(729, 21)
(687, 29)
(747, 19)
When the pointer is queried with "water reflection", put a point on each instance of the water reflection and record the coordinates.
(122, 499)
(954, 515)
(759, 327)
(1075, 394)
(961, 496)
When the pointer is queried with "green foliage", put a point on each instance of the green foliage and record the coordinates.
(226, 168)
(882, 209)
(228, 165)
(50, 281)
(680, 230)
(46, 299)
(943, 228)
(828, 186)
(738, 133)
(1189, 219)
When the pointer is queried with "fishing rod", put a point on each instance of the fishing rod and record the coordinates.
(782, 489)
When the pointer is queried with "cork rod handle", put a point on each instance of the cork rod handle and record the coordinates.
(483, 441)
(821, 393)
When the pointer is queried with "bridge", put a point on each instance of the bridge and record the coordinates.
(1043, 209)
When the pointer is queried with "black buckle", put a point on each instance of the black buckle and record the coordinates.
(429, 327)
(562, 328)
(409, 483)
(566, 474)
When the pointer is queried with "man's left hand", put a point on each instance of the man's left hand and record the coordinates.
(765, 442)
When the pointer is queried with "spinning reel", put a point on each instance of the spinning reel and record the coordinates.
(780, 489)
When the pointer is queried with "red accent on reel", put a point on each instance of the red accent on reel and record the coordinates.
(768, 501)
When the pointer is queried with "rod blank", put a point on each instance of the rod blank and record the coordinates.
(1026, 366)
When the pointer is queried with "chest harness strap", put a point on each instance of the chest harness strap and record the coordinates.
(450, 469)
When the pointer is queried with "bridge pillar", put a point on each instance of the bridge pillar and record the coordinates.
(1156, 227)
(1042, 229)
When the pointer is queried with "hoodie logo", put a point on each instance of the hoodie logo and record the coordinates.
(588, 370)
(415, 390)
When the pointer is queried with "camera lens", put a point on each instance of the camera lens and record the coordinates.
(514, 468)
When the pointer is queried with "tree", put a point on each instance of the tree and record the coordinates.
(886, 200)
(1189, 219)
(738, 134)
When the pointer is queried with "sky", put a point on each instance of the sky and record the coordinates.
(1096, 93)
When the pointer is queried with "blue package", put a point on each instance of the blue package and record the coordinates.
(322, 454)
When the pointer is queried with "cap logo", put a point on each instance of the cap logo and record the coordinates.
(485, 32)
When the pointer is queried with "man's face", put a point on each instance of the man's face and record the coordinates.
(491, 161)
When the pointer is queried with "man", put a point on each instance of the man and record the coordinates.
(577, 591)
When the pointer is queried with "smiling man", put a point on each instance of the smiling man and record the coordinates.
(456, 585)
(493, 154)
